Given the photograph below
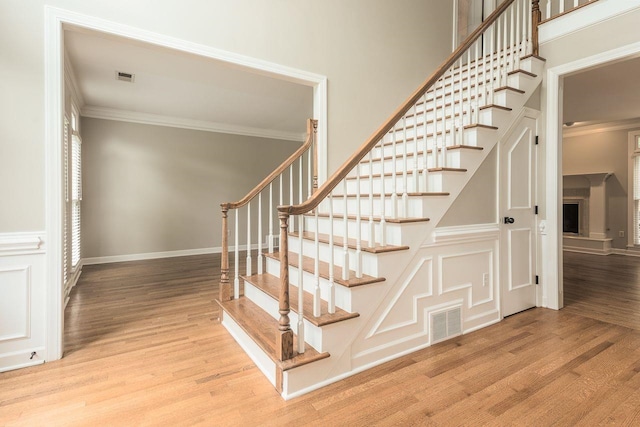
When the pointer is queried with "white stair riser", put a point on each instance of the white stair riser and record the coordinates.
(455, 158)
(417, 206)
(393, 231)
(343, 294)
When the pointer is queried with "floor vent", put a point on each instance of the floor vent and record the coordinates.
(446, 324)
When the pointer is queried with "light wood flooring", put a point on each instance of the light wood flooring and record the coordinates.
(144, 347)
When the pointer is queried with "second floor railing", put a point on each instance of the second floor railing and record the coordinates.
(553, 8)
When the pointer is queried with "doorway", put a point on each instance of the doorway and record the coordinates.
(518, 246)
(56, 21)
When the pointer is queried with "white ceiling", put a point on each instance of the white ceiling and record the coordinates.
(182, 88)
(603, 94)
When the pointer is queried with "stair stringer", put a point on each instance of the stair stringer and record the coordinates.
(374, 333)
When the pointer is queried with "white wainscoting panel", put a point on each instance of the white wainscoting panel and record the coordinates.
(15, 305)
(22, 299)
(459, 269)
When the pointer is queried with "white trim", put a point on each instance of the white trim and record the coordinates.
(54, 20)
(177, 122)
(626, 252)
(72, 81)
(552, 244)
(21, 243)
(601, 127)
(632, 152)
(458, 233)
(589, 251)
(164, 254)
(593, 14)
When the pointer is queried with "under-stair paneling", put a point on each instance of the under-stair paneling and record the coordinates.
(460, 271)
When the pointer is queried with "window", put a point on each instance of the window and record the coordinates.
(636, 189)
(76, 189)
(65, 226)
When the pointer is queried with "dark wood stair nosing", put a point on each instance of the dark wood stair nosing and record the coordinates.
(272, 290)
(337, 274)
(234, 307)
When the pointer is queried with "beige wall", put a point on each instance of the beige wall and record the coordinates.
(477, 203)
(154, 189)
(374, 53)
(603, 152)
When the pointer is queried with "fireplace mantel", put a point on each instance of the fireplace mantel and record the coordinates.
(597, 214)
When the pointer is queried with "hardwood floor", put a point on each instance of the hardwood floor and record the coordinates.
(144, 347)
(604, 288)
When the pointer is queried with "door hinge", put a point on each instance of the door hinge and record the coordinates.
(536, 210)
(537, 139)
(537, 280)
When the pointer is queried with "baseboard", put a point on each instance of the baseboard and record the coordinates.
(156, 255)
(588, 250)
(626, 252)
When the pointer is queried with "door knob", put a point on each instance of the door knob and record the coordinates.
(509, 220)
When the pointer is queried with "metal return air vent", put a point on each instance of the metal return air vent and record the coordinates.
(125, 77)
(446, 324)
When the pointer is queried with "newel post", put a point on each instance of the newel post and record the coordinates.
(284, 337)
(535, 21)
(225, 286)
(312, 126)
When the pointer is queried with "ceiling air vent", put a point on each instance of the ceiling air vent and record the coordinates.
(125, 77)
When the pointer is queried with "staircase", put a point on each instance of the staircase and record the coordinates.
(356, 245)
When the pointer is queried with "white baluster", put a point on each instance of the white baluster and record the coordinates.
(345, 245)
(358, 260)
(291, 201)
(270, 243)
(331, 302)
(236, 280)
(260, 233)
(249, 239)
(548, 10)
(512, 41)
(316, 271)
(461, 94)
(425, 140)
(498, 47)
(300, 188)
(309, 175)
(561, 7)
(489, 97)
(394, 190)
(405, 167)
(372, 239)
(416, 174)
(516, 41)
(505, 49)
(301, 286)
(576, 3)
(383, 230)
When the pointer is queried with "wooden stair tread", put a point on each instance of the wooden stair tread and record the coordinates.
(262, 329)
(512, 89)
(308, 266)
(533, 56)
(481, 126)
(429, 151)
(411, 194)
(410, 172)
(375, 218)
(351, 243)
(520, 71)
(499, 107)
(270, 285)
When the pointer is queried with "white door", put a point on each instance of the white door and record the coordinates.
(517, 215)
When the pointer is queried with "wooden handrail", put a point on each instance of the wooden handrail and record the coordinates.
(341, 173)
(312, 126)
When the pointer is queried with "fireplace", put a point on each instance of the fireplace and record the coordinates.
(571, 218)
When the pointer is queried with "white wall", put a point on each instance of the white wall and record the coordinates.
(477, 203)
(360, 45)
(150, 189)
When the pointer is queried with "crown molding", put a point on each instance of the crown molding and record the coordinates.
(96, 112)
(589, 129)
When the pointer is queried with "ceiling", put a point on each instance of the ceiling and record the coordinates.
(178, 87)
(604, 94)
